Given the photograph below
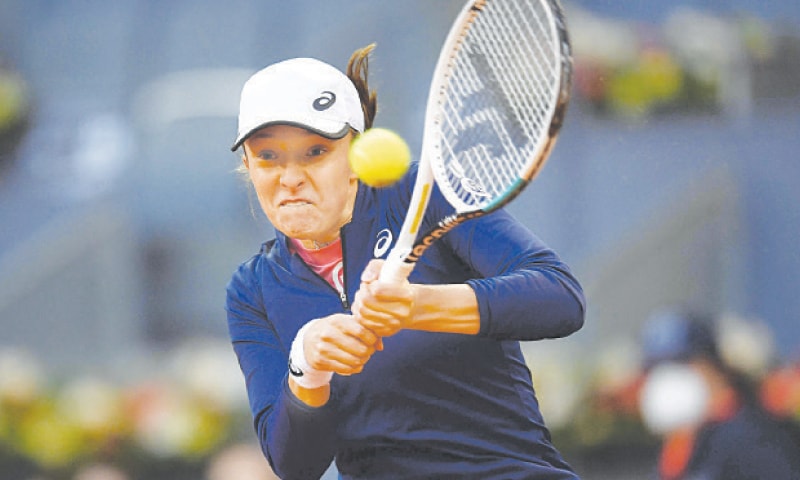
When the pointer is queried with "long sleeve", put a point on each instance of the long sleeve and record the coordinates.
(533, 295)
(297, 440)
(525, 291)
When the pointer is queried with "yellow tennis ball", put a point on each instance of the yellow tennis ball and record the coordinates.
(379, 157)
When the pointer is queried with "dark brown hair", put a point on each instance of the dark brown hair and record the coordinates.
(358, 71)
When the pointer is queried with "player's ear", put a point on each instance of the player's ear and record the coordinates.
(245, 162)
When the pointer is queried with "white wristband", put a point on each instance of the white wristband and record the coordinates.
(300, 370)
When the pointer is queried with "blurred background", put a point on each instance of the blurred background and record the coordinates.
(675, 183)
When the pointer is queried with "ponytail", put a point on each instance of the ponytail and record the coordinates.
(358, 71)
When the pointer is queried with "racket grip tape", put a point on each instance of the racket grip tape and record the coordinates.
(395, 270)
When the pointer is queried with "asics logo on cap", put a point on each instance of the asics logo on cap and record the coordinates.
(325, 101)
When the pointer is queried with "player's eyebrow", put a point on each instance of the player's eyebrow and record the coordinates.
(267, 133)
(262, 134)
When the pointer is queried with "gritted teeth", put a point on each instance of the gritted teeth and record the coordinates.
(294, 203)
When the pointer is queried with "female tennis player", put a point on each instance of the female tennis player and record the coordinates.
(423, 379)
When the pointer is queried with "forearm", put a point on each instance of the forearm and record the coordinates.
(530, 305)
(313, 397)
(298, 439)
(445, 308)
(296, 432)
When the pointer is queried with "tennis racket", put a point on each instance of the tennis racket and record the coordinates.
(496, 104)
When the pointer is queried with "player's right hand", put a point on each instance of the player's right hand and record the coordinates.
(340, 344)
(383, 308)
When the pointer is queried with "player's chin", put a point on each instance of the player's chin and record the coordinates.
(302, 227)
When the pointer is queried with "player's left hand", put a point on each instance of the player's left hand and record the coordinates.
(384, 308)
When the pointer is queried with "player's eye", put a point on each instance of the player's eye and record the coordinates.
(317, 151)
(267, 155)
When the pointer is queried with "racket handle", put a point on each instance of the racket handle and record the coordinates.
(395, 270)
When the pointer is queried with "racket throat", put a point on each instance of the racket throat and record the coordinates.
(401, 261)
(442, 227)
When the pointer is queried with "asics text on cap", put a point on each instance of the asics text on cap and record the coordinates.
(303, 92)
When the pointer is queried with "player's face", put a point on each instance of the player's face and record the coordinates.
(303, 181)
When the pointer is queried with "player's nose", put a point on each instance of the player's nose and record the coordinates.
(293, 174)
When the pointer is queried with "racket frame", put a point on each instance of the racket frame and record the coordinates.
(410, 246)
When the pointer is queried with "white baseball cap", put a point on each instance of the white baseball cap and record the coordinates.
(304, 92)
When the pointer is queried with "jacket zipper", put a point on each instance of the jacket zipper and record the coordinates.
(343, 293)
(345, 303)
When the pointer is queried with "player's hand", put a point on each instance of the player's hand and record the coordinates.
(383, 308)
(339, 343)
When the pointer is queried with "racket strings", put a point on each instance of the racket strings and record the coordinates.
(524, 69)
(527, 52)
(498, 100)
(538, 62)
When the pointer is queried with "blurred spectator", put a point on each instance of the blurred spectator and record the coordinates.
(780, 391)
(14, 113)
(240, 462)
(713, 424)
(100, 472)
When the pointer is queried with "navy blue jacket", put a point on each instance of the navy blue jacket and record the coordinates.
(430, 405)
